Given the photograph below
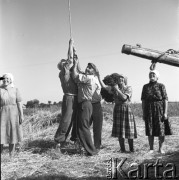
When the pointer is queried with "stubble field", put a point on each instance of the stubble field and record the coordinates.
(38, 158)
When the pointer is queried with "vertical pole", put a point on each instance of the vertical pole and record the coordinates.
(70, 19)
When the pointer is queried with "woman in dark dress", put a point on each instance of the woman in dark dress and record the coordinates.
(155, 105)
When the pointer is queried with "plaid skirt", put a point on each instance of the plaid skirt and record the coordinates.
(124, 125)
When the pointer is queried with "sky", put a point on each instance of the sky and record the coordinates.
(34, 36)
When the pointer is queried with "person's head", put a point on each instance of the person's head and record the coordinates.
(120, 79)
(91, 69)
(8, 79)
(61, 64)
(153, 75)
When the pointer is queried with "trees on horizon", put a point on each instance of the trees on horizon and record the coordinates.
(35, 103)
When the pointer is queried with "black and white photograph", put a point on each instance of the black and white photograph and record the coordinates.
(89, 89)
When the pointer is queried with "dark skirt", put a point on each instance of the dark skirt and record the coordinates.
(154, 125)
(123, 122)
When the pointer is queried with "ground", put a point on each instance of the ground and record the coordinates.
(40, 159)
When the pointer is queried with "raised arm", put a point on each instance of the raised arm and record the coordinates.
(70, 51)
(69, 62)
(100, 81)
(75, 73)
(75, 56)
(119, 93)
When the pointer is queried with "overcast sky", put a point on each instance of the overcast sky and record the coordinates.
(34, 36)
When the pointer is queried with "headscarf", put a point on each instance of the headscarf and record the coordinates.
(155, 72)
(9, 75)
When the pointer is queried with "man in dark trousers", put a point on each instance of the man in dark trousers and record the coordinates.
(87, 85)
(97, 114)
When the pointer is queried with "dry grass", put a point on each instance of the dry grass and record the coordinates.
(39, 158)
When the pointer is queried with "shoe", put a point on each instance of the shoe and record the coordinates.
(71, 142)
(69, 145)
(73, 139)
(121, 151)
(161, 151)
(97, 150)
(60, 145)
(151, 151)
(100, 147)
(84, 152)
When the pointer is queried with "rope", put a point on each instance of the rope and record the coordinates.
(169, 51)
(70, 19)
(153, 65)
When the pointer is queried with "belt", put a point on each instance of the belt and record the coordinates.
(85, 100)
(122, 103)
(152, 101)
(69, 94)
(96, 102)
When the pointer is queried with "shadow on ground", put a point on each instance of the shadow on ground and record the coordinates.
(42, 146)
(61, 177)
(39, 146)
(168, 166)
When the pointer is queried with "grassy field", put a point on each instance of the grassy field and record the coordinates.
(39, 158)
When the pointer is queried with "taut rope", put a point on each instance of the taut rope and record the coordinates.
(70, 19)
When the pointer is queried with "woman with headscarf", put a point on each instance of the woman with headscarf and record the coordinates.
(155, 105)
(124, 126)
(11, 113)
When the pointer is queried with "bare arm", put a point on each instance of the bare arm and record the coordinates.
(75, 73)
(65, 71)
(100, 81)
(20, 110)
(119, 93)
(78, 65)
(65, 74)
(165, 108)
(70, 51)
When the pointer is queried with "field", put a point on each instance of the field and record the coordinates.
(38, 158)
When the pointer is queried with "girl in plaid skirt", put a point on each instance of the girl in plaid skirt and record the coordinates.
(124, 126)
